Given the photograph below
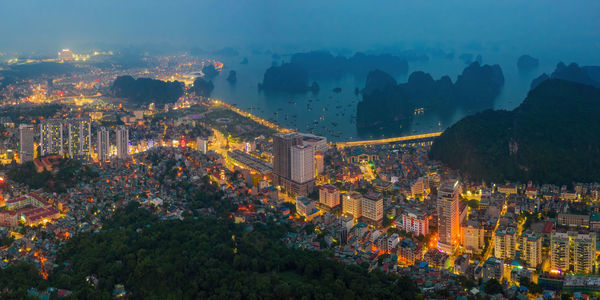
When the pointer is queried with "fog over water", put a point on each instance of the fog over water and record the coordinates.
(500, 31)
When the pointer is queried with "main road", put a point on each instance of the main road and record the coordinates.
(278, 128)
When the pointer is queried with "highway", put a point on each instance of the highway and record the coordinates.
(389, 140)
(281, 129)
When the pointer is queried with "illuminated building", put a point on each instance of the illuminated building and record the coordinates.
(584, 252)
(493, 268)
(531, 248)
(319, 162)
(283, 164)
(352, 204)
(448, 215)
(306, 207)
(415, 221)
(66, 55)
(103, 144)
(202, 144)
(559, 251)
(505, 243)
(420, 187)
(302, 163)
(51, 137)
(372, 207)
(329, 196)
(26, 142)
(80, 140)
(409, 251)
(473, 237)
(122, 142)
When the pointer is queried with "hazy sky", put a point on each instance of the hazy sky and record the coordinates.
(569, 27)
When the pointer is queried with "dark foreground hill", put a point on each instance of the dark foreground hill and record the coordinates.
(552, 137)
(200, 258)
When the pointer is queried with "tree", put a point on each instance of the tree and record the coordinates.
(493, 287)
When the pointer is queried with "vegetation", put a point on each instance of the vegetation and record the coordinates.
(202, 258)
(202, 87)
(387, 104)
(552, 137)
(493, 287)
(17, 112)
(69, 173)
(289, 78)
(239, 127)
(145, 90)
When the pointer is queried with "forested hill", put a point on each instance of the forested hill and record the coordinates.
(203, 258)
(146, 90)
(386, 104)
(552, 137)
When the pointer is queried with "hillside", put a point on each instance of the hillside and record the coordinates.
(145, 90)
(201, 258)
(387, 104)
(552, 137)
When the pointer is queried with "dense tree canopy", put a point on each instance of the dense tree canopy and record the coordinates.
(146, 90)
(552, 137)
(208, 258)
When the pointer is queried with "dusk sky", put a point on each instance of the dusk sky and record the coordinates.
(41, 25)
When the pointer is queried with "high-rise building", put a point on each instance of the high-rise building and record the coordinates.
(329, 196)
(80, 139)
(559, 251)
(448, 215)
(26, 133)
(282, 164)
(372, 207)
(352, 204)
(584, 252)
(505, 243)
(303, 163)
(531, 248)
(282, 143)
(202, 144)
(103, 144)
(415, 221)
(122, 142)
(573, 249)
(51, 137)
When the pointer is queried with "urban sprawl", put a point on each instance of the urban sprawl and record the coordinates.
(383, 205)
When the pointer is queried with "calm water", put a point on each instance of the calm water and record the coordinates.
(332, 114)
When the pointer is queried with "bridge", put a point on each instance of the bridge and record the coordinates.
(405, 139)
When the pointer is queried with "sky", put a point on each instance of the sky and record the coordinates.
(571, 28)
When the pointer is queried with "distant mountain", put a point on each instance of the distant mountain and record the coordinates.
(146, 90)
(387, 104)
(323, 65)
(527, 63)
(589, 75)
(552, 137)
(288, 77)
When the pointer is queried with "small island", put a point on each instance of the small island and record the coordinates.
(527, 63)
